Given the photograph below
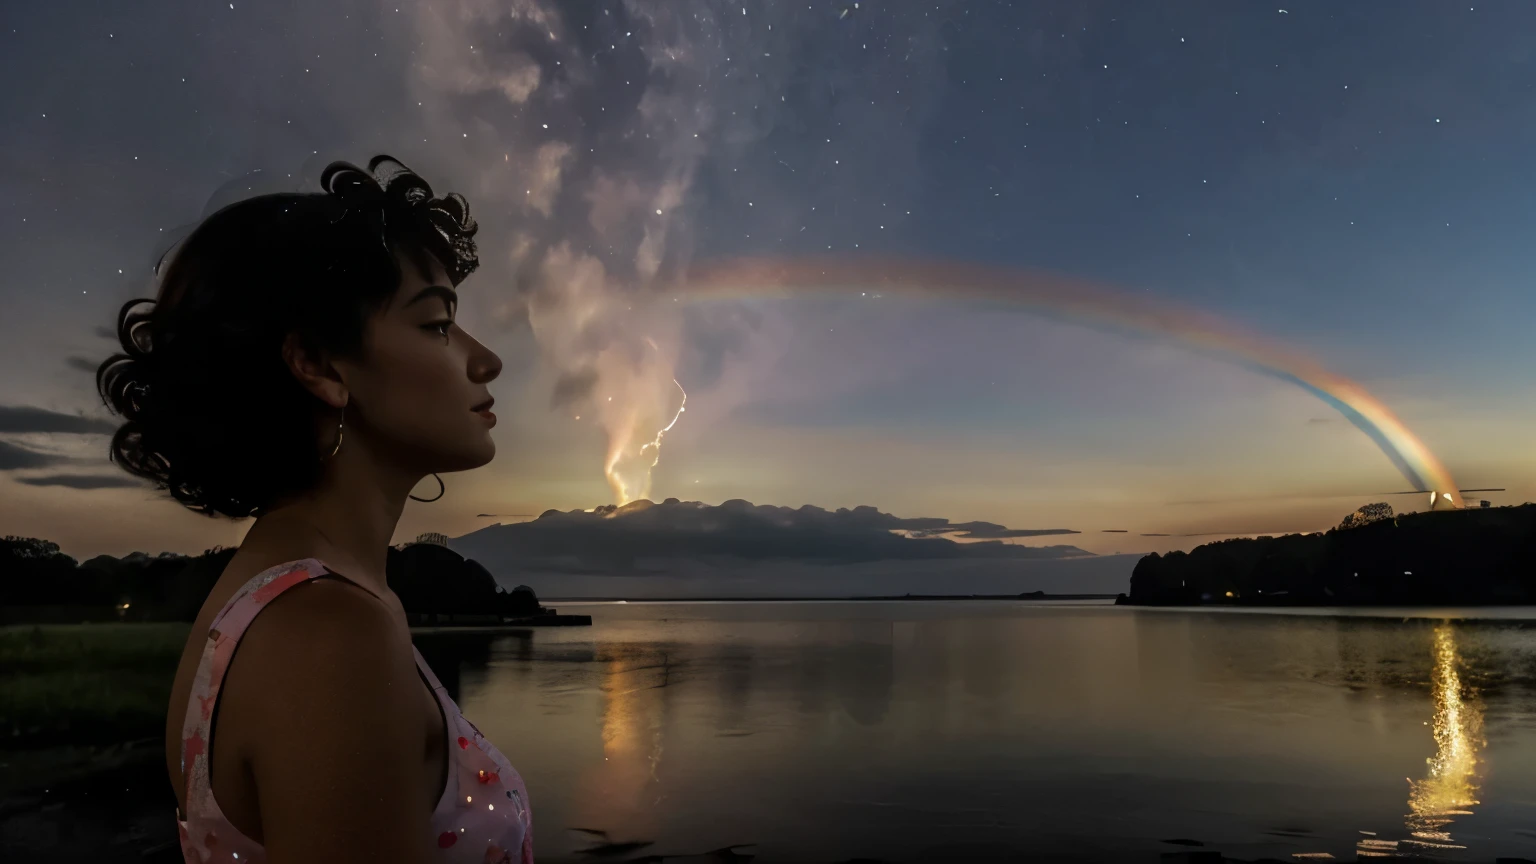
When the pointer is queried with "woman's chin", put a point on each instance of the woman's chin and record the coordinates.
(488, 454)
(478, 455)
(482, 454)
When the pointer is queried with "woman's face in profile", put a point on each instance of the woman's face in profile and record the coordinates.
(421, 385)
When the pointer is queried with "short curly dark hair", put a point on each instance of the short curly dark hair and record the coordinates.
(213, 414)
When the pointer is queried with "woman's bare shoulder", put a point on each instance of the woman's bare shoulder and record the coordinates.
(324, 632)
(327, 675)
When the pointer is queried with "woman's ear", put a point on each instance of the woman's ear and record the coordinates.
(314, 371)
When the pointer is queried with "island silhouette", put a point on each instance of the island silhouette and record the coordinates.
(1471, 557)
(436, 585)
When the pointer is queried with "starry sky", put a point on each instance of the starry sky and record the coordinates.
(1350, 180)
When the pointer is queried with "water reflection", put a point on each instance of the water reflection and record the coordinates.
(624, 788)
(829, 732)
(1450, 786)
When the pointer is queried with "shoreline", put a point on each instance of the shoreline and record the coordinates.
(889, 598)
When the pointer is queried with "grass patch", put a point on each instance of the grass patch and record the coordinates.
(86, 683)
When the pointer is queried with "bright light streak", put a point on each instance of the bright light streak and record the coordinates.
(1450, 786)
(633, 488)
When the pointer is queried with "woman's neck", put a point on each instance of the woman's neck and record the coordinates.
(347, 521)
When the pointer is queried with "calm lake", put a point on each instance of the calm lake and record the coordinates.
(907, 731)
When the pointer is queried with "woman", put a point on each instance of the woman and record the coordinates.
(302, 365)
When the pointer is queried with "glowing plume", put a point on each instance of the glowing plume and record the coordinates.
(1085, 302)
(628, 472)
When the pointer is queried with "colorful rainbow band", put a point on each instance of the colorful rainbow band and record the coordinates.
(1087, 303)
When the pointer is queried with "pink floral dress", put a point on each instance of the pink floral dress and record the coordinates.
(482, 817)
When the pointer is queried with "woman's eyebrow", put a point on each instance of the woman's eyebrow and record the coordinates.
(449, 297)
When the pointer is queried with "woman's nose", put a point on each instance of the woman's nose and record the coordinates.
(484, 365)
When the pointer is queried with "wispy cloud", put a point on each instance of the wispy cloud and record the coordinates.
(14, 457)
(993, 531)
(82, 481)
(25, 418)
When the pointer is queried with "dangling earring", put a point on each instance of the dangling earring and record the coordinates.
(340, 423)
(440, 490)
(340, 432)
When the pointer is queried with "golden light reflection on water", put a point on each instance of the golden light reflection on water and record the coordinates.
(1449, 788)
(621, 790)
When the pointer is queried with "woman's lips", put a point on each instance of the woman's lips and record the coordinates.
(484, 410)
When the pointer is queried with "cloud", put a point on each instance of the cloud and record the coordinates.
(105, 332)
(610, 539)
(1000, 532)
(985, 530)
(83, 481)
(549, 160)
(23, 418)
(14, 457)
(84, 364)
(608, 135)
(604, 120)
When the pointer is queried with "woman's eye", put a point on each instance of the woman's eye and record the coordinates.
(439, 326)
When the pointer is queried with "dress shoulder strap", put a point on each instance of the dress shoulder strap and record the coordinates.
(426, 671)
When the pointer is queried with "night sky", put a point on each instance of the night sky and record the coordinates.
(1352, 181)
